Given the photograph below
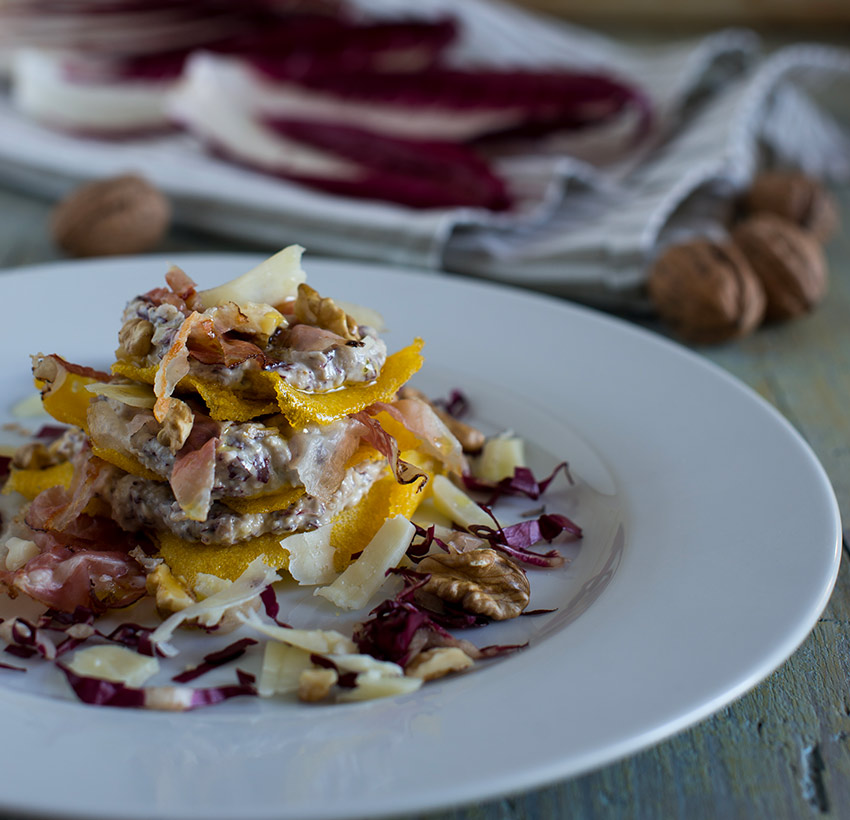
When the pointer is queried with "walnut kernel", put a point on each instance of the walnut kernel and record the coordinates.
(170, 594)
(315, 684)
(481, 581)
(176, 425)
(312, 309)
(134, 338)
(437, 662)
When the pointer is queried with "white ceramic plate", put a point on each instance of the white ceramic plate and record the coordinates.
(712, 545)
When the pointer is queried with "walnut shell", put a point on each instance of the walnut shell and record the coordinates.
(789, 262)
(797, 197)
(706, 291)
(121, 215)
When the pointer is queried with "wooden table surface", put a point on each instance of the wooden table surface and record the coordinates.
(781, 751)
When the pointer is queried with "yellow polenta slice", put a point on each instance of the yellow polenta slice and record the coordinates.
(352, 530)
(29, 483)
(355, 527)
(262, 504)
(223, 403)
(69, 401)
(299, 407)
(302, 408)
(186, 559)
(125, 462)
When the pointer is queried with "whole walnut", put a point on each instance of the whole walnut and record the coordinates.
(789, 262)
(706, 291)
(796, 197)
(120, 215)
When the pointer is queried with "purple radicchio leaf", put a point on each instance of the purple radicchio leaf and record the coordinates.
(271, 605)
(215, 659)
(414, 172)
(98, 692)
(346, 680)
(456, 404)
(522, 482)
(516, 539)
(135, 637)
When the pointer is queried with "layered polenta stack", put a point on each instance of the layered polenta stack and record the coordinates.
(254, 419)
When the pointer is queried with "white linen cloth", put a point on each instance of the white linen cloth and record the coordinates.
(590, 218)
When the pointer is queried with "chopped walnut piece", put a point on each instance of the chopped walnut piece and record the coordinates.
(437, 662)
(312, 309)
(315, 684)
(171, 595)
(134, 338)
(33, 456)
(481, 581)
(471, 439)
(176, 425)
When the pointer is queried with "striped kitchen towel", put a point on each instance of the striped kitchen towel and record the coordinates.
(592, 207)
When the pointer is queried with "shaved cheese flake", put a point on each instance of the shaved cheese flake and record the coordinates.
(311, 556)
(29, 408)
(428, 515)
(133, 395)
(114, 663)
(270, 283)
(210, 611)
(19, 551)
(317, 641)
(499, 458)
(363, 578)
(371, 685)
(282, 668)
(363, 315)
(207, 584)
(366, 663)
(456, 505)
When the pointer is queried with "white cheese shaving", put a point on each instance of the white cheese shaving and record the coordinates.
(311, 556)
(371, 685)
(366, 663)
(133, 395)
(270, 283)
(499, 458)
(365, 576)
(282, 668)
(318, 641)
(248, 586)
(29, 408)
(19, 551)
(114, 663)
(456, 505)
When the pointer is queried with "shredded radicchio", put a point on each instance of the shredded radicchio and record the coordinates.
(456, 404)
(215, 659)
(516, 539)
(271, 606)
(400, 629)
(522, 482)
(135, 637)
(99, 692)
(346, 680)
